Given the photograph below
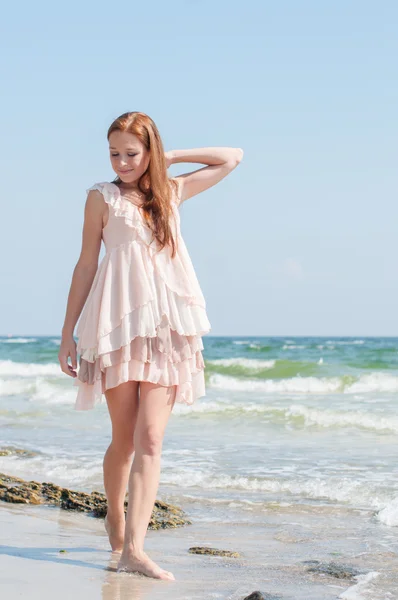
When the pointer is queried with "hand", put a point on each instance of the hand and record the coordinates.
(169, 158)
(66, 350)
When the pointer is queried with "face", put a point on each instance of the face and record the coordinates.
(129, 157)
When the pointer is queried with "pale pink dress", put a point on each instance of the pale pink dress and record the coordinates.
(145, 312)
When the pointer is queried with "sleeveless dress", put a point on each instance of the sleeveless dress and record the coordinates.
(145, 312)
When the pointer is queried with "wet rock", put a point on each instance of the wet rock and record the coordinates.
(333, 569)
(19, 495)
(262, 596)
(16, 490)
(11, 451)
(213, 551)
(165, 516)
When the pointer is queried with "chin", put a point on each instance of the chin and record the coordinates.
(128, 177)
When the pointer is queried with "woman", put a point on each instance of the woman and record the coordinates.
(142, 315)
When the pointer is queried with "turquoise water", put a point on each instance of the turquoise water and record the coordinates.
(286, 421)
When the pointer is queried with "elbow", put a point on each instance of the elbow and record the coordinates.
(239, 156)
(236, 157)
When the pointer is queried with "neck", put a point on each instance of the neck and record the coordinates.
(128, 186)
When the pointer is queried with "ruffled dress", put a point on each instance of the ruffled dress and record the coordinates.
(145, 312)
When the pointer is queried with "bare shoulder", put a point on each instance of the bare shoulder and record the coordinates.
(95, 201)
(95, 207)
(94, 195)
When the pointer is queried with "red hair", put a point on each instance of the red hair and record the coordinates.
(154, 183)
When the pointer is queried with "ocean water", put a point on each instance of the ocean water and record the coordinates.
(294, 433)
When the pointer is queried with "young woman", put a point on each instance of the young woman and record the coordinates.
(141, 316)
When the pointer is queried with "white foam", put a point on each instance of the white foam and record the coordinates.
(336, 489)
(310, 416)
(301, 385)
(345, 342)
(355, 592)
(389, 514)
(15, 387)
(9, 367)
(247, 363)
(374, 382)
(332, 418)
(17, 340)
(292, 347)
(47, 393)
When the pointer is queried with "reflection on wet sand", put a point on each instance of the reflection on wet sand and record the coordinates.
(129, 586)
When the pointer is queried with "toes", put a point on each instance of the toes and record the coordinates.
(171, 576)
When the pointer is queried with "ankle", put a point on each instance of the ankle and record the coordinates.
(115, 516)
(133, 551)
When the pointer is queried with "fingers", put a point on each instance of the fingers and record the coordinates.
(63, 361)
(65, 366)
(73, 356)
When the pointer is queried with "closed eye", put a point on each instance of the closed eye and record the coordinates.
(128, 154)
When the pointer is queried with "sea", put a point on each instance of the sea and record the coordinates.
(291, 456)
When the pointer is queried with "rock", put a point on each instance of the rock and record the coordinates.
(19, 495)
(333, 569)
(262, 596)
(213, 551)
(11, 451)
(16, 490)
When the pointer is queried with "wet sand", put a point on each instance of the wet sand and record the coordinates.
(272, 558)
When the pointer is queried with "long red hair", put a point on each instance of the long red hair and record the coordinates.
(154, 183)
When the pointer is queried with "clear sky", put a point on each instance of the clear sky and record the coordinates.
(301, 239)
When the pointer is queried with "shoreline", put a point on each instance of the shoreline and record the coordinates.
(33, 537)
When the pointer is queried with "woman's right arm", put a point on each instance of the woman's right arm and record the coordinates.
(82, 278)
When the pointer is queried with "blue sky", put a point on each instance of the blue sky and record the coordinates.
(301, 239)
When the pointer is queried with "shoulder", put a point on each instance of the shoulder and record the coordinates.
(103, 190)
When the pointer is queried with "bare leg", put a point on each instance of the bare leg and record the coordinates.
(122, 404)
(155, 405)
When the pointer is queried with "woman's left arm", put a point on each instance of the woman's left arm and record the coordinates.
(220, 162)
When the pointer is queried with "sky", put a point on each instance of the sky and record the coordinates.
(300, 239)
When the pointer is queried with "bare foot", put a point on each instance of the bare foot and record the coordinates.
(141, 563)
(115, 531)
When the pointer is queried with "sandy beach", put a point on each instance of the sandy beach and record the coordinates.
(47, 552)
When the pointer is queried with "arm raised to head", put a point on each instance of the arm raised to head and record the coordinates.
(220, 162)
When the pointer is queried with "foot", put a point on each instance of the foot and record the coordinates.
(141, 563)
(115, 530)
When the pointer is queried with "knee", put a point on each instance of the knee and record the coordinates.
(124, 446)
(149, 441)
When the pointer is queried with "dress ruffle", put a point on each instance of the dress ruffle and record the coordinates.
(145, 313)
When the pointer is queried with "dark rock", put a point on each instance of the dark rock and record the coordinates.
(262, 596)
(16, 490)
(333, 569)
(213, 552)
